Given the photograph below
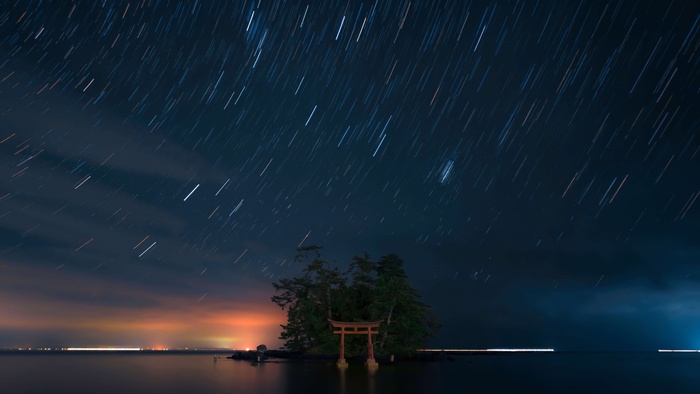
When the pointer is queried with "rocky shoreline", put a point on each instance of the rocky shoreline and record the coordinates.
(253, 355)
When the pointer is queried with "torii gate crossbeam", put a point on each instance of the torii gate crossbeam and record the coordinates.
(356, 328)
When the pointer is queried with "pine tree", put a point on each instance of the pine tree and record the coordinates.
(360, 294)
(310, 302)
(297, 333)
(408, 323)
(376, 291)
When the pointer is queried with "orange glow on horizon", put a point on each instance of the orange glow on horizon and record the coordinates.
(169, 321)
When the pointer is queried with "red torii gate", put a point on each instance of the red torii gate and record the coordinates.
(356, 328)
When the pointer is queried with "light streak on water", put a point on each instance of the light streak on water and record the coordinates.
(499, 350)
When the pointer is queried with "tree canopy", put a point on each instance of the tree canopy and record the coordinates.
(368, 291)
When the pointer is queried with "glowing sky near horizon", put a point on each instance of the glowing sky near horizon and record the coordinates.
(102, 312)
(535, 163)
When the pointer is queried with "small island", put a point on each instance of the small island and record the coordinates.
(368, 291)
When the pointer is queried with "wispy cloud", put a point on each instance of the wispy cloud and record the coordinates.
(46, 302)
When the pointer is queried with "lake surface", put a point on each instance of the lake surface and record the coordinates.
(58, 373)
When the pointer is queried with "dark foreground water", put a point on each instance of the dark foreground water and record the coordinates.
(198, 373)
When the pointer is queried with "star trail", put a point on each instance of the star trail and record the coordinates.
(535, 163)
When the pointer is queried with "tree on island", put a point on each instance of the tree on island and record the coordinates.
(367, 291)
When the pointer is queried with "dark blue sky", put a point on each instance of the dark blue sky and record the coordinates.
(535, 163)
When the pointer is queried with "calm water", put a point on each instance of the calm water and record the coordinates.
(198, 373)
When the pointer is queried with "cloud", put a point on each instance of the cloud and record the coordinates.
(45, 302)
(75, 175)
(47, 122)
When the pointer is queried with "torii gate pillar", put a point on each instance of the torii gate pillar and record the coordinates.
(356, 328)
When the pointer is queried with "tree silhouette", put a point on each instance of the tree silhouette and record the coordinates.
(368, 291)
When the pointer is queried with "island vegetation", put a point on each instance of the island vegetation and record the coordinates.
(367, 291)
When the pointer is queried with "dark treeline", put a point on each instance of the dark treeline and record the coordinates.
(368, 291)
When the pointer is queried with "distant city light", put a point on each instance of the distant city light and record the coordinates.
(103, 349)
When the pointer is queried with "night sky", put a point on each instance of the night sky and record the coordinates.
(535, 163)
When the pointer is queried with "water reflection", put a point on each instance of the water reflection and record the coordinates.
(58, 373)
(371, 379)
(356, 378)
(342, 370)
